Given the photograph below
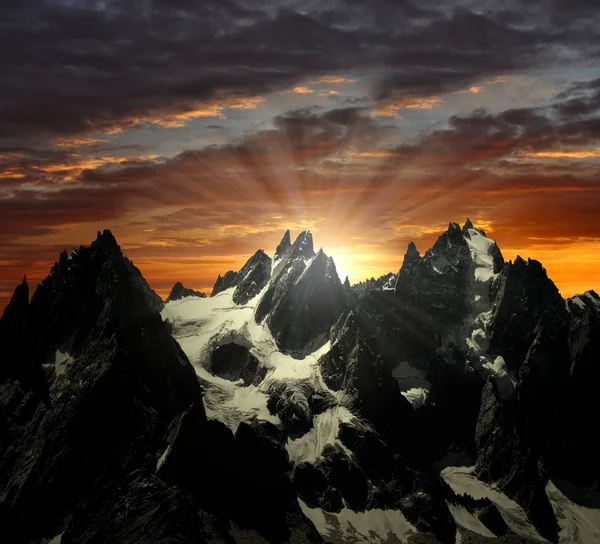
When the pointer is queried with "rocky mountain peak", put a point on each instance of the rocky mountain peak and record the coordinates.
(179, 291)
(253, 276)
(452, 226)
(468, 225)
(106, 242)
(284, 245)
(224, 282)
(303, 245)
(412, 250)
(17, 306)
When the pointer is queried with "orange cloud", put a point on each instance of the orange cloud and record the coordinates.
(11, 174)
(496, 80)
(392, 108)
(563, 154)
(214, 109)
(303, 90)
(471, 90)
(336, 80)
(79, 141)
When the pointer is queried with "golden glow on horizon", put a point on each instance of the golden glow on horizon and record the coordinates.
(566, 154)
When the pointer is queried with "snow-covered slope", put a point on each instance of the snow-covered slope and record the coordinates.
(578, 524)
(202, 325)
(334, 428)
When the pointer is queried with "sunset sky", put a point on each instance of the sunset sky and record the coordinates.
(199, 131)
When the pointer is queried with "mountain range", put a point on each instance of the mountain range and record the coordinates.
(450, 401)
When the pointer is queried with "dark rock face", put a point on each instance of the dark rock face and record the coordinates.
(252, 277)
(103, 397)
(249, 281)
(179, 291)
(573, 454)
(296, 403)
(290, 265)
(436, 283)
(234, 362)
(144, 510)
(522, 294)
(225, 282)
(352, 365)
(304, 299)
(513, 435)
(13, 332)
(387, 282)
(98, 415)
(262, 463)
(104, 437)
(284, 245)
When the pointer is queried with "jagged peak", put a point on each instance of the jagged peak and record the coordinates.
(452, 226)
(105, 240)
(468, 224)
(258, 255)
(179, 291)
(303, 245)
(21, 292)
(592, 294)
(284, 245)
(412, 250)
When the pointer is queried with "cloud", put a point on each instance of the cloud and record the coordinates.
(303, 90)
(70, 74)
(391, 108)
(74, 90)
(332, 80)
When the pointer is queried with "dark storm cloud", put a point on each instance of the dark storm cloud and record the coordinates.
(75, 67)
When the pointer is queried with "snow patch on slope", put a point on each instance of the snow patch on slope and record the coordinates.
(413, 384)
(480, 247)
(310, 446)
(462, 481)
(200, 325)
(62, 359)
(463, 518)
(578, 524)
(376, 526)
(476, 330)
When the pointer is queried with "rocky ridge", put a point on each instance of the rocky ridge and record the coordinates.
(306, 388)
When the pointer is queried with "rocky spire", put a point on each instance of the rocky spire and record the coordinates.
(284, 245)
(225, 282)
(106, 242)
(412, 251)
(18, 304)
(179, 291)
(253, 276)
(303, 245)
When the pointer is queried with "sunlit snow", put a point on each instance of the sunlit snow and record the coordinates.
(202, 324)
(368, 526)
